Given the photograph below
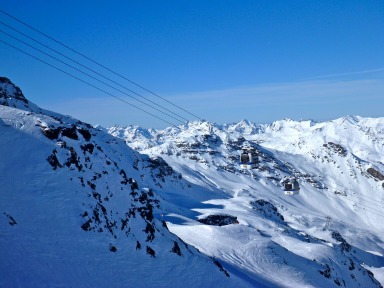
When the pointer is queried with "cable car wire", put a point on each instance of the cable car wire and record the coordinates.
(100, 65)
(117, 74)
(87, 74)
(371, 203)
(380, 205)
(360, 205)
(121, 76)
(377, 212)
(86, 82)
(349, 189)
(92, 70)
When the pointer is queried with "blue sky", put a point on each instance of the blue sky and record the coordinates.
(221, 60)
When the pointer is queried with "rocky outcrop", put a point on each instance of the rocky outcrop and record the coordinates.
(268, 210)
(12, 96)
(375, 174)
(219, 220)
(336, 148)
(9, 91)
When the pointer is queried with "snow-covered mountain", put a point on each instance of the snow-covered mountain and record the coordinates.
(330, 234)
(81, 208)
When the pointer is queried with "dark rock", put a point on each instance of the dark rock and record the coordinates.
(101, 150)
(351, 264)
(87, 148)
(151, 252)
(124, 223)
(337, 281)
(344, 245)
(219, 220)
(376, 174)
(326, 272)
(96, 195)
(70, 132)
(11, 220)
(143, 197)
(87, 225)
(51, 133)
(176, 248)
(52, 159)
(217, 263)
(82, 181)
(85, 133)
(73, 159)
(17, 94)
(268, 210)
(150, 230)
(146, 212)
(125, 180)
(134, 185)
(160, 168)
(337, 148)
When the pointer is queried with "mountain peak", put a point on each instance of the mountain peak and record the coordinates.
(9, 91)
(12, 96)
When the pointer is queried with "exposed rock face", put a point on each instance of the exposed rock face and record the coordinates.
(161, 169)
(70, 132)
(336, 148)
(344, 245)
(11, 95)
(268, 210)
(9, 91)
(219, 220)
(376, 174)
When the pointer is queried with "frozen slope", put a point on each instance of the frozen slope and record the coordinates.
(330, 234)
(72, 216)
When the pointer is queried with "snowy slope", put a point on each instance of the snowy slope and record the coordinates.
(71, 214)
(330, 234)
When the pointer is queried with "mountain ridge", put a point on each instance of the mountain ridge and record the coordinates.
(80, 207)
(76, 210)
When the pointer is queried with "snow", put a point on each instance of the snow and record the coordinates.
(47, 245)
(336, 194)
(328, 235)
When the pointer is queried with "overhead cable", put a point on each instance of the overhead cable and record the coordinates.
(86, 82)
(381, 205)
(100, 65)
(87, 74)
(371, 210)
(89, 69)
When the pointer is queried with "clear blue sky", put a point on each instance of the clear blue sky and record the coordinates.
(222, 60)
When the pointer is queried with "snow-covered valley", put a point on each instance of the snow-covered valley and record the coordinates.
(84, 206)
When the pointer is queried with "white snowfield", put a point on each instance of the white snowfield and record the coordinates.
(70, 215)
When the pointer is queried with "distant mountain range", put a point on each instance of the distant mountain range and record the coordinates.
(84, 206)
